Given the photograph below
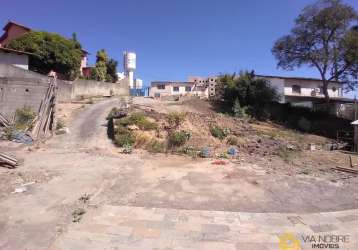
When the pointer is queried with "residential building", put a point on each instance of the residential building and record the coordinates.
(302, 91)
(14, 30)
(14, 57)
(207, 83)
(170, 88)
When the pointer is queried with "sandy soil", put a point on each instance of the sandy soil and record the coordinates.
(84, 162)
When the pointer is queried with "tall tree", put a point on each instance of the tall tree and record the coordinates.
(50, 52)
(322, 38)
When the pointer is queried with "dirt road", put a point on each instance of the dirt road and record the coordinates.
(84, 162)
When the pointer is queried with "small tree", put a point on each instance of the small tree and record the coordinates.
(50, 52)
(246, 93)
(239, 111)
(105, 69)
(99, 73)
(322, 38)
(112, 71)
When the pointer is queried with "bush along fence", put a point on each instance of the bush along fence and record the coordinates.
(27, 126)
(307, 120)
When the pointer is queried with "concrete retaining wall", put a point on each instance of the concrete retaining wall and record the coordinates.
(88, 88)
(19, 88)
(21, 92)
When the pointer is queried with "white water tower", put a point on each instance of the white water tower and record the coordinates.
(129, 63)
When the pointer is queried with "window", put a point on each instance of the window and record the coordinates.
(321, 89)
(176, 89)
(187, 89)
(162, 86)
(334, 89)
(296, 89)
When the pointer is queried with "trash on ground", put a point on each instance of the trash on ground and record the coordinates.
(232, 151)
(205, 152)
(219, 162)
(22, 137)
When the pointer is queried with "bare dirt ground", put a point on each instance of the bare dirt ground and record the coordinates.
(84, 162)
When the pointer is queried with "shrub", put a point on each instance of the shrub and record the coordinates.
(60, 124)
(139, 120)
(240, 112)
(232, 140)
(156, 147)
(24, 117)
(175, 119)
(127, 149)
(178, 139)
(141, 140)
(9, 133)
(121, 139)
(218, 132)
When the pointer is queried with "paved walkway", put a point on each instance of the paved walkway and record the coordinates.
(124, 227)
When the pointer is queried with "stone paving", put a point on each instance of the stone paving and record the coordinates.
(125, 227)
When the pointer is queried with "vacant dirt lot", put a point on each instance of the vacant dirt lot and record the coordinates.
(85, 163)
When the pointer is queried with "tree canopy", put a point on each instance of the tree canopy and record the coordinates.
(51, 52)
(105, 68)
(323, 38)
(246, 91)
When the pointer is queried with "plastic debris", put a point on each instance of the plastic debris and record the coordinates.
(219, 162)
(205, 152)
(232, 151)
(21, 137)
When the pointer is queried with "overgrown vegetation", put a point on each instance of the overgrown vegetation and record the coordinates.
(245, 94)
(287, 154)
(155, 146)
(24, 117)
(124, 138)
(50, 52)
(124, 134)
(175, 119)
(232, 140)
(179, 138)
(138, 119)
(218, 132)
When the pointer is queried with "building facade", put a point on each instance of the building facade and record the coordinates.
(14, 30)
(302, 91)
(14, 57)
(169, 88)
(207, 83)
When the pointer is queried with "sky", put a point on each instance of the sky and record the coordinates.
(173, 39)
